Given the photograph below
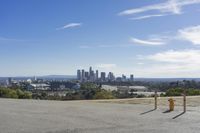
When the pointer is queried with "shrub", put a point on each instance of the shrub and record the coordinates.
(12, 93)
(174, 92)
(179, 92)
(103, 94)
(27, 95)
(162, 95)
(140, 96)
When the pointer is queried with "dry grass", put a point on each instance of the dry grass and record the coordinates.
(162, 101)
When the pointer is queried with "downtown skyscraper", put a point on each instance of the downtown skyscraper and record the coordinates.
(93, 76)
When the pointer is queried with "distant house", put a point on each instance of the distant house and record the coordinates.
(60, 93)
(38, 86)
(125, 89)
(109, 87)
(138, 88)
(130, 89)
(76, 86)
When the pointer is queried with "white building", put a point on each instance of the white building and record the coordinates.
(39, 86)
(109, 87)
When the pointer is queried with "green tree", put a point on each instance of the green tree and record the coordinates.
(14, 93)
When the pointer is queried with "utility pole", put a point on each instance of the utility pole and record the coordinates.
(184, 86)
(156, 100)
(184, 100)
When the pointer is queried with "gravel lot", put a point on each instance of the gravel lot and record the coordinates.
(36, 116)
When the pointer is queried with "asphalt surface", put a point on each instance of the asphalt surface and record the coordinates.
(36, 116)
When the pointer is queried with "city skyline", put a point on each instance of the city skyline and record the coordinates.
(100, 76)
(151, 39)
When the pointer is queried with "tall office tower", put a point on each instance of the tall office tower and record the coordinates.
(87, 75)
(111, 76)
(78, 74)
(103, 76)
(92, 76)
(123, 77)
(9, 81)
(97, 75)
(83, 75)
(132, 77)
(35, 78)
(90, 71)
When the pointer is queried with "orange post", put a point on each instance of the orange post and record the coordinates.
(171, 104)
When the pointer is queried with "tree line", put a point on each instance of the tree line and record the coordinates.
(90, 91)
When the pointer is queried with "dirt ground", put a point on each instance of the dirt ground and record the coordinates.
(192, 101)
(101, 116)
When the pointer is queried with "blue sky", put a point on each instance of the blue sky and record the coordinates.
(159, 38)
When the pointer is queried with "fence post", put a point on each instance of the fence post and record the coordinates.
(156, 100)
(184, 101)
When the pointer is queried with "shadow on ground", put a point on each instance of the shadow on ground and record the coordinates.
(178, 115)
(147, 111)
(167, 111)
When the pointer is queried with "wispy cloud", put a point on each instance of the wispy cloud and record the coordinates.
(172, 63)
(187, 56)
(70, 25)
(148, 16)
(153, 42)
(173, 7)
(5, 39)
(140, 63)
(106, 66)
(11, 39)
(108, 46)
(191, 34)
(114, 46)
(85, 47)
(105, 46)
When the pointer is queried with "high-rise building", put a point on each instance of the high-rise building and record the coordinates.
(103, 76)
(131, 77)
(97, 75)
(83, 75)
(111, 76)
(79, 74)
(87, 75)
(92, 76)
(35, 78)
(123, 77)
(119, 79)
(10, 81)
(90, 70)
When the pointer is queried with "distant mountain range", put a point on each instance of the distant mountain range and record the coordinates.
(57, 76)
(165, 79)
(47, 77)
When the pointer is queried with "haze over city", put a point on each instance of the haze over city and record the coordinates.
(99, 66)
(157, 38)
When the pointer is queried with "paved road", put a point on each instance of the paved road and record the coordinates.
(35, 116)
